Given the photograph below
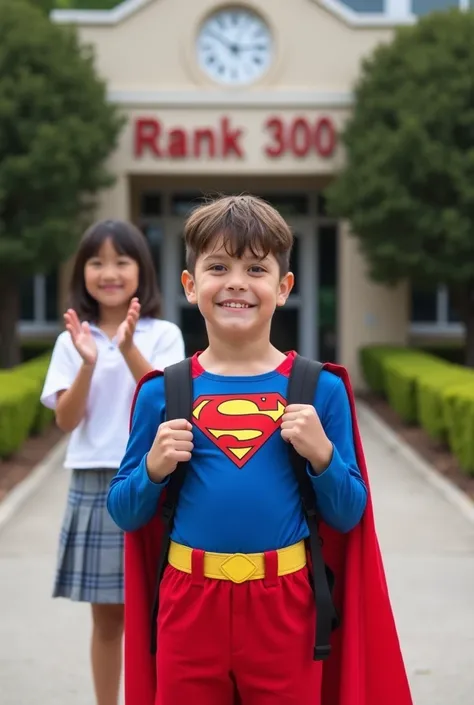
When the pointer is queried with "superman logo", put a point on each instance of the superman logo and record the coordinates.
(239, 425)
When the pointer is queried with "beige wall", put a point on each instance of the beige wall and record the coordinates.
(367, 312)
(154, 48)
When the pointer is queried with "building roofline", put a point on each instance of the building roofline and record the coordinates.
(224, 99)
(129, 7)
(118, 14)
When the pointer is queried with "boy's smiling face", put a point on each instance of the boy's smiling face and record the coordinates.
(237, 295)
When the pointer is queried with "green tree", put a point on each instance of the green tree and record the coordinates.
(56, 132)
(45, 5)
(407, 187)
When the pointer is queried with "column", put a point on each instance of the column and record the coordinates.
(171, 271)
(367, 312)
(308, 311)
(115, 201)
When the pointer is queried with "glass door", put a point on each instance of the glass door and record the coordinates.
(327, 258)
(295, 324)
(184, 314)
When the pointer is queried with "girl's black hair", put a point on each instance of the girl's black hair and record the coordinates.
(127, 240)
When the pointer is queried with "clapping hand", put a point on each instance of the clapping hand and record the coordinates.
(81, 337)
(126, 329)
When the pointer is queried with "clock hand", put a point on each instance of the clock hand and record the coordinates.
(250, 47)
(220, 39)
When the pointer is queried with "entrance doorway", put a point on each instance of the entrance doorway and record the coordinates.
(307, 322)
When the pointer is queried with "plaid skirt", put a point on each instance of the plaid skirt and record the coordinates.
(90, 557)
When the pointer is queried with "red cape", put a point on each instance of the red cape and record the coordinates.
(365, 666)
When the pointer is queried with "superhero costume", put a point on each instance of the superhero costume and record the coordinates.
(365, 667)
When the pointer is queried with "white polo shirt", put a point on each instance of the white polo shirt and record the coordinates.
(100, 440)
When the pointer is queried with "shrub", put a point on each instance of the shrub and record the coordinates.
(402, 375)
(21, 413)
(430, 397)
(31, 349)
(425, 389)
(18, 408)
(458, 408)
(36, 370)
(373, 359)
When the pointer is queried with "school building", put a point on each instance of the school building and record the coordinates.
(248, 96)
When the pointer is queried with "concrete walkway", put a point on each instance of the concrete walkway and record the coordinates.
(427, 542)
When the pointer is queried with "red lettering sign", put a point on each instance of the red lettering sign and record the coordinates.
(300, 137)
(297, 137)
(179, 143)
(147, 136)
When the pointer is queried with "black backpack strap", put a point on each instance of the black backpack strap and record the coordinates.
(301, 390)
(179, 403)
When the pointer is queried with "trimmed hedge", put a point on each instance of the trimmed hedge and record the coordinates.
(21, 413)
(426, 390)
(34, 348)
(430, 391)
(373, 359)
(403, 374)
(18, 408)
(36, 370)
(458, 406)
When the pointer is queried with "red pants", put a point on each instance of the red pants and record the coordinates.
(214, 635)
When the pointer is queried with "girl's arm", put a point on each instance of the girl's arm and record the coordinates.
(69, 375)
(137, 364)
(169, 348)
(72, 402)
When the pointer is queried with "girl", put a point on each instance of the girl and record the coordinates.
(113, 337)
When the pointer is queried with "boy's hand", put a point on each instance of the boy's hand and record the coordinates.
(173, 444)
(302, 428)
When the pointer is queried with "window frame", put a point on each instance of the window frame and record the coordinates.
(39, 324)
(442, 326)
(461, 4)
(394, 12)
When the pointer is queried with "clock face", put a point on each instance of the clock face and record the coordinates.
(234, 46)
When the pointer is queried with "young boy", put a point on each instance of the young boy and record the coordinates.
(248, 632)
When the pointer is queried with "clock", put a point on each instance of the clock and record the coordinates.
(234, 46)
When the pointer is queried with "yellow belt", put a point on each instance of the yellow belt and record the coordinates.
(238, 567)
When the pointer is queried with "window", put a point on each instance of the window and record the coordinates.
(365, 6)
(423, 7)
(150, 204)
(288, 205)
(400, 8)
(39, 302)
(434, 311)
(183, 204)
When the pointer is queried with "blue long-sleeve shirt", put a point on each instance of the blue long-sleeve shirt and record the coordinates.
(240, 493)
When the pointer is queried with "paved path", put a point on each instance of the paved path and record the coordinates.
(428, 547)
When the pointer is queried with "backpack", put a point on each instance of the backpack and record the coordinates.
(301, 390)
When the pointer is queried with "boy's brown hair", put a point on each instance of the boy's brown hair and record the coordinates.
(244, 222)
